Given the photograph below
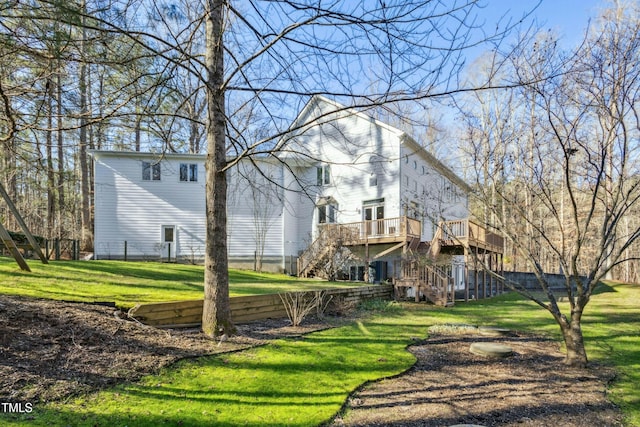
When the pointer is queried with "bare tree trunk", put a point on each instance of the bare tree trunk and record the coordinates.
(138, 131)
(9, 170)
(51, 203)
(216, 315)
(86, 232)
(574, 341)
(60, 186)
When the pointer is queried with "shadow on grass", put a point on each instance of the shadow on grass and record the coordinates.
(602, 288)
(141, 270)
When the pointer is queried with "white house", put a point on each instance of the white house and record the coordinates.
(336, 170)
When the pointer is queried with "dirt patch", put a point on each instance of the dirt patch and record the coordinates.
(51, 350)
(449, 385)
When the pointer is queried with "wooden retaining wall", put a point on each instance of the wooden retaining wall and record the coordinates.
(244, 309)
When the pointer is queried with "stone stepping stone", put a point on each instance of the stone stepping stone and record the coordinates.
(489, 349)
(494, 331)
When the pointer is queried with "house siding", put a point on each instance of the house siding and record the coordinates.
(355, 147)
(423, 186)
(254, 206)
(132, 210)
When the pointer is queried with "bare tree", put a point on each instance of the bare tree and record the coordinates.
(568, 182)
(413, 50)
(272, 56)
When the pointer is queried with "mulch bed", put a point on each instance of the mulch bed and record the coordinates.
(449, 385)
(52, 350)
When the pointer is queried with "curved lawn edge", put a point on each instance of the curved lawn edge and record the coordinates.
(343, 409)
(298, 382)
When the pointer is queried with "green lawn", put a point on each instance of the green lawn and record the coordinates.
(297, 382)
(128, 283)
(303, 382)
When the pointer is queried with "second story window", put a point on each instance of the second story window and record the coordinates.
(150, 171)
(188, 172)
(327, 214)
(323, 175)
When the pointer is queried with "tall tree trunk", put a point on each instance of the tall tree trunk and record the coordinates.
(86, 233)
(216, 316)
(61, 201)
(51, 201)
(9, 170)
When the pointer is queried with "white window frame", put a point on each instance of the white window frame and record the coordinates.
(191, 172)
(323, 175)
(327, 214)
(151, 171)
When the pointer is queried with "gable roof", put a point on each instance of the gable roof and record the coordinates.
(304, 119)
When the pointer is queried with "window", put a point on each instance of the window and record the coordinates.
(150, 171)
(188, 172)
(327, 214)
(168, 232)
(373, 180)
(323, 174)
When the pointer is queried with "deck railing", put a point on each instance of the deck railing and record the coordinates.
(456, 232)
(387, 228)
(432, 281)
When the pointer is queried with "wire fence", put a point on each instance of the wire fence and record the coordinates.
(129, 250)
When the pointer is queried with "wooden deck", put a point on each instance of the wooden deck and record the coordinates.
(379, 231)
(401, 233)
(470, 234)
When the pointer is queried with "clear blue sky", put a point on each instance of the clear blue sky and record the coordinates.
(568, 18)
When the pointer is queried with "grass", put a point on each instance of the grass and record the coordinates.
(304, 382)
(296, 382)
(128, 283)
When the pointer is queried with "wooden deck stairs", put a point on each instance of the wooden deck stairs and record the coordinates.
(319, 254)
(429, 281)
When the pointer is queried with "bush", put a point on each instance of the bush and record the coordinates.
(299, 304)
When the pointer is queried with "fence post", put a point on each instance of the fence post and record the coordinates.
(56, 242)
(169, 252)
(125, 250)
(73, 250)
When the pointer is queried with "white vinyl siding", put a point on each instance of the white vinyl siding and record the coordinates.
(133, 210)
(137, 211)
(348, 145)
